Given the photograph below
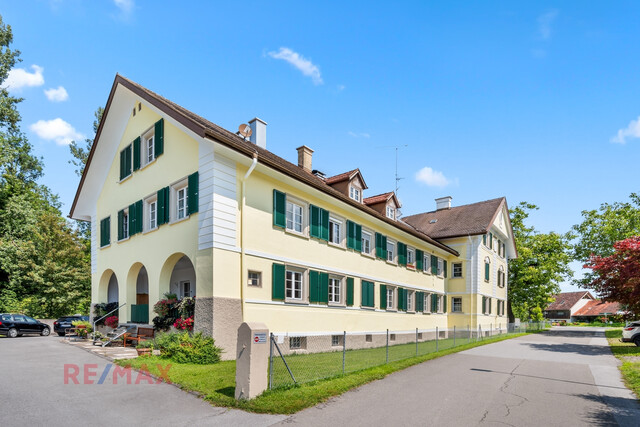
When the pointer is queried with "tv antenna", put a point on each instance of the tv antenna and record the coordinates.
(397, 178)
(244, 131)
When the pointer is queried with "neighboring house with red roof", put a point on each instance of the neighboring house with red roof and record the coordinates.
(595, 309)
(567, 304)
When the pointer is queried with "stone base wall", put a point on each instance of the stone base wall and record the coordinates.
(203, 317)
(227, 318)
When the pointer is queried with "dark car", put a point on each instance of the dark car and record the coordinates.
(61, 325)
(16, 325)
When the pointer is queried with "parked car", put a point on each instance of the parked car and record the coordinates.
(631, 333)
(61, 325)
(16, 325)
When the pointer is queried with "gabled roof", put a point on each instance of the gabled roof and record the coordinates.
(598, 308)
(381, 198)
(346, 176)
(209, 130)
(466, 220)
(566, 300)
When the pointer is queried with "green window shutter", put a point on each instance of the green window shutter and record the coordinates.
(419, 301)
(372, 298)
(279, 209)
(158, 138)
(136, 154)
(445, 268)
(383, 297)
(378, 245)
(444, 302)
(487, 271)
(139, 224)
(324, 224)
(127, 161)
(193, 202)
(277, 282)
(163, 206)
(314, 286)
(434, 303)
(484, 304)
(122, 163)
(402, 253)
(349, 291)
(120, 224)
(132, 220)
(484, 239)
(489, 303)
(324, 288)
(434, 264)
(367, 294)
(402, 299)
(490, 240)
(358, 238)
(105, 231)
(314, 221)
(351, 235)
(419, 260)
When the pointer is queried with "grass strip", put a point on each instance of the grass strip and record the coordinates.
(629, 354)
(216, 383)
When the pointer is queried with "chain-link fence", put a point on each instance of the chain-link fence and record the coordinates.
(299, 358)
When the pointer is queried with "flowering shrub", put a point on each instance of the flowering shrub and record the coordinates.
(184, 324)
(112, 321)
(163, 307)
(187, 307)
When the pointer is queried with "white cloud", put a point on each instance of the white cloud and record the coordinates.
(56, 130)
(125, 6)
(632, 131)
(300, 62)
(58, 94)
(432, 178)
(359, 134)
(544, 23)
(20, 77)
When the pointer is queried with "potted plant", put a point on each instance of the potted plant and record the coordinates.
(112, 322)
(144, 348)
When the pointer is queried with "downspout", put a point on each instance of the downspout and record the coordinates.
(471, 294)
(242, 254)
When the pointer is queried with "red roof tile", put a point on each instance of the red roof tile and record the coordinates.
(566, 300)
(377, 199)
(598, 308)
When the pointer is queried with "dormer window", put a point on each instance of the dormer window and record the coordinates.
(355, 193)
(391, 212)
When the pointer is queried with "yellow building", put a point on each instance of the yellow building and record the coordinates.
(178, 204)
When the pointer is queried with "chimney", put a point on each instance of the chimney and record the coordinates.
(304, 157)
(443, 203)
(258, 132)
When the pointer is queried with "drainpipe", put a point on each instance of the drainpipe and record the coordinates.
(470, 260)
(243, 196)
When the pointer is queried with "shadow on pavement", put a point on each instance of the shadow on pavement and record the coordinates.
(581, 349)
(624, 411)
(574, 334)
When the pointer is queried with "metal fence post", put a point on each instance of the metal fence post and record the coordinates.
(387, 346)
(491, 329)
(344, 349)
(469, 329)
(416, 341)
(454, 335)
(271, 362)
(437, 338)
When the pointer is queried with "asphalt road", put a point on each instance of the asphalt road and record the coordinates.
(566, 377)
(33, 392)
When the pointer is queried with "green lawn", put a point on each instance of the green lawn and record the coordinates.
(216, 383)
(629, 354)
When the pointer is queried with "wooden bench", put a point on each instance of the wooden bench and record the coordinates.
(142, 334)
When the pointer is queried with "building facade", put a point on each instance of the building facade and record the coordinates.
(178, 204)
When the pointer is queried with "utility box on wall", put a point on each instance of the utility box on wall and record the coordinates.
(252, 360)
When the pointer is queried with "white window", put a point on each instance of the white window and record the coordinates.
(354, 193)
(366, 242)
(438, 302)
(391, 212)
(410, 300)
(426, 263)
(411, 256)
(391, 251)
(294, 217)
(153, 215)
(293, 285)
(335, 230)
(457, 305)
(335, 287)
(181, 203)
(457, 269)
(125, 224)
(427, 303)
(186, 288)
(149, 148)
(254, 278)
(501, 277)
(390, 292)
(440, 267)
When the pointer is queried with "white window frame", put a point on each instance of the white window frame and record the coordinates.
(293, 281)
(333, 222)
(453, 304)
(426, 263)
(256, 280)
(410, 301)
(439, 305)
(427, 302)
(355, 193)
(148, 202)
(181, 196)
(393, 251)
(337, 340)
(303, 213)
(144, 146)
(173, 200)
(183, 285)
(391, 212)
(411, 257)
(391, 296)
(125, 224)
(487, 260)
(440, 267)
(333, 280)
(369, 240)
(453, 270)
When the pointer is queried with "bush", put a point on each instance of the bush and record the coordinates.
(83, 332)
(184, 324)
(112, 321)
(182, 347)
(102, 309)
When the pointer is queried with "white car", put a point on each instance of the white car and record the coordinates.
(631, 333)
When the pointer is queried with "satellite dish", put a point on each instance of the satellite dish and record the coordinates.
(244, 130)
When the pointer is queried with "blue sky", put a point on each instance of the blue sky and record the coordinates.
(535, 101)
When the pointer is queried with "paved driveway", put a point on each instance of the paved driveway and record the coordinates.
(567, 377)
(33, 393)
